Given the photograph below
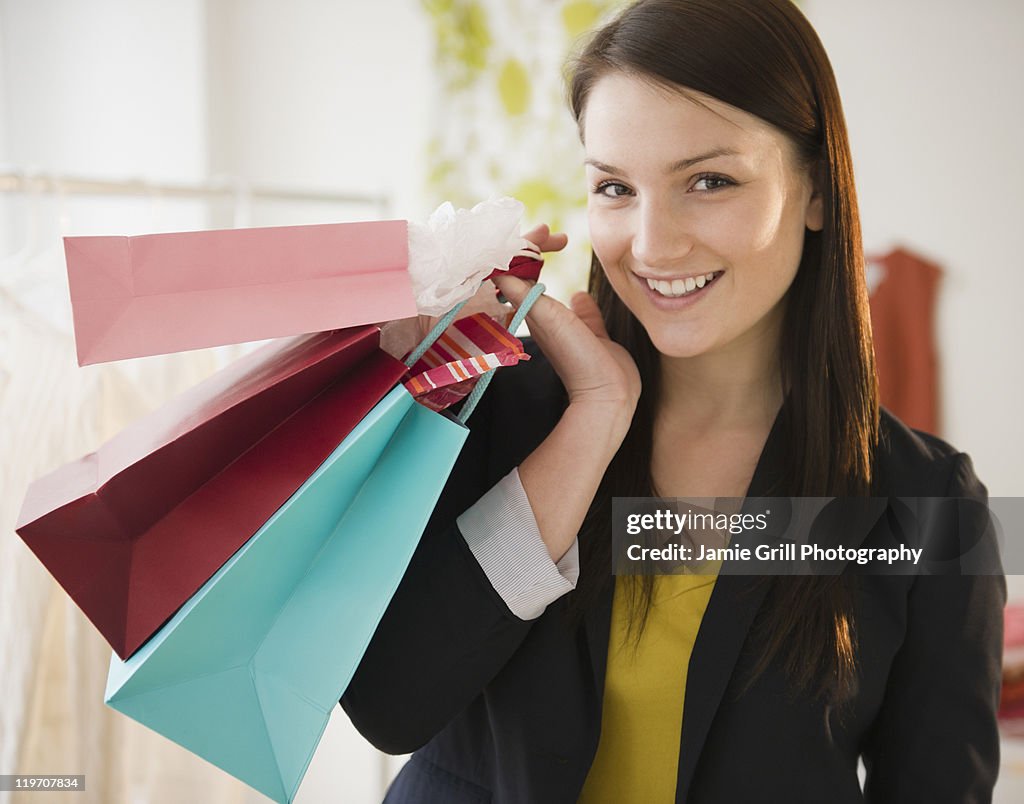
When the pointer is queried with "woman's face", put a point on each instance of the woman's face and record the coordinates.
(708, 203)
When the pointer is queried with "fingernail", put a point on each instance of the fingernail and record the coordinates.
(500, 297)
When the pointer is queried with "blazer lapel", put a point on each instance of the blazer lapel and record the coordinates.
(734, 602)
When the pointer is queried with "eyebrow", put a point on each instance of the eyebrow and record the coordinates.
(675, 167)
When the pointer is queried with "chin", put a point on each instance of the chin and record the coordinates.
(681, 347)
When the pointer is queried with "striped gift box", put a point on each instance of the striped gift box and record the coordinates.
(470, 347)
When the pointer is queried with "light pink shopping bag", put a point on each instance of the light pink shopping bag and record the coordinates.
(161, 293)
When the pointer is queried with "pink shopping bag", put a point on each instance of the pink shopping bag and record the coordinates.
(160, 293)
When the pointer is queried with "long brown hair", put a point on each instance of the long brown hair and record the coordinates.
(761, 56)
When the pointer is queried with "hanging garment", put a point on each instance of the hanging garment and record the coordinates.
(903, 288)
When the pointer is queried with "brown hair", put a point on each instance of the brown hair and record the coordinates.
(761, 56)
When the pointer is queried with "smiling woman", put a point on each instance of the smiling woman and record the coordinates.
(723, 350)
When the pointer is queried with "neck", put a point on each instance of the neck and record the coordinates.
(737, 386)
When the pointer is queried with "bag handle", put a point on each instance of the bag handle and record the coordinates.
(485, 379)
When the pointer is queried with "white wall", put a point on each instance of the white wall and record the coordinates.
(321, 94)
(91, 90)
(934, 100)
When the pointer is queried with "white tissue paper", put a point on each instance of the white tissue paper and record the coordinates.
(456, 249)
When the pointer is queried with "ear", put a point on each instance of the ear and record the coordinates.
(815, 216)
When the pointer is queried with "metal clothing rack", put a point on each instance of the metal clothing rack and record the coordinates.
(33, 183)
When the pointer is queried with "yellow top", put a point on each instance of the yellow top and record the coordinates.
(638, 755)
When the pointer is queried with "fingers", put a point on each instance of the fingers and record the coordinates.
(515, 290)
(555, 242)
(543, 239)
(512, 287)
(586, 309)
(538, 233)
(582, 305)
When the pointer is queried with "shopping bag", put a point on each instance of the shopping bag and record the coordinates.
(159, 293)
(247, 673)
(134, 529)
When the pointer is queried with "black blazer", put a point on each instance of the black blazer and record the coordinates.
(502, 710)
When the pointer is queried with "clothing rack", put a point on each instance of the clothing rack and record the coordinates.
(39, 183)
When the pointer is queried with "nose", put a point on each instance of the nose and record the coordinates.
(662, 238)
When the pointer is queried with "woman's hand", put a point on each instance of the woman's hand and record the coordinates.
(562, 475)
(594, 369)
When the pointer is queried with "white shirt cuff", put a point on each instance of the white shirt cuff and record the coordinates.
(502, 533)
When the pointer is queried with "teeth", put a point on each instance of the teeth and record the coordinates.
(679, 287)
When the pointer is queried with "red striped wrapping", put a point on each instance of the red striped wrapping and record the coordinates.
(472, 346)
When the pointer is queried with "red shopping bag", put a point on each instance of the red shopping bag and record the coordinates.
(132, 530)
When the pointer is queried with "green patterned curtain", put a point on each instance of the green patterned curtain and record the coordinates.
(501, 125)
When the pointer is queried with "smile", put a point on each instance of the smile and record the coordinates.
(675, 291)
(680, 287)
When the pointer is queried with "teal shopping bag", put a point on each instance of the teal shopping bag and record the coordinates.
(247, 672)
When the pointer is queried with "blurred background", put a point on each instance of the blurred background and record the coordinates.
(121, 117)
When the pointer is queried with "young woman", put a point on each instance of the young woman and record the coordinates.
(724, 350)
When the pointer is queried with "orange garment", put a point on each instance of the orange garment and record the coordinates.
(903, 288)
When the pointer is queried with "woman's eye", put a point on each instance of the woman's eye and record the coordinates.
(619, 189)
(711, 182)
